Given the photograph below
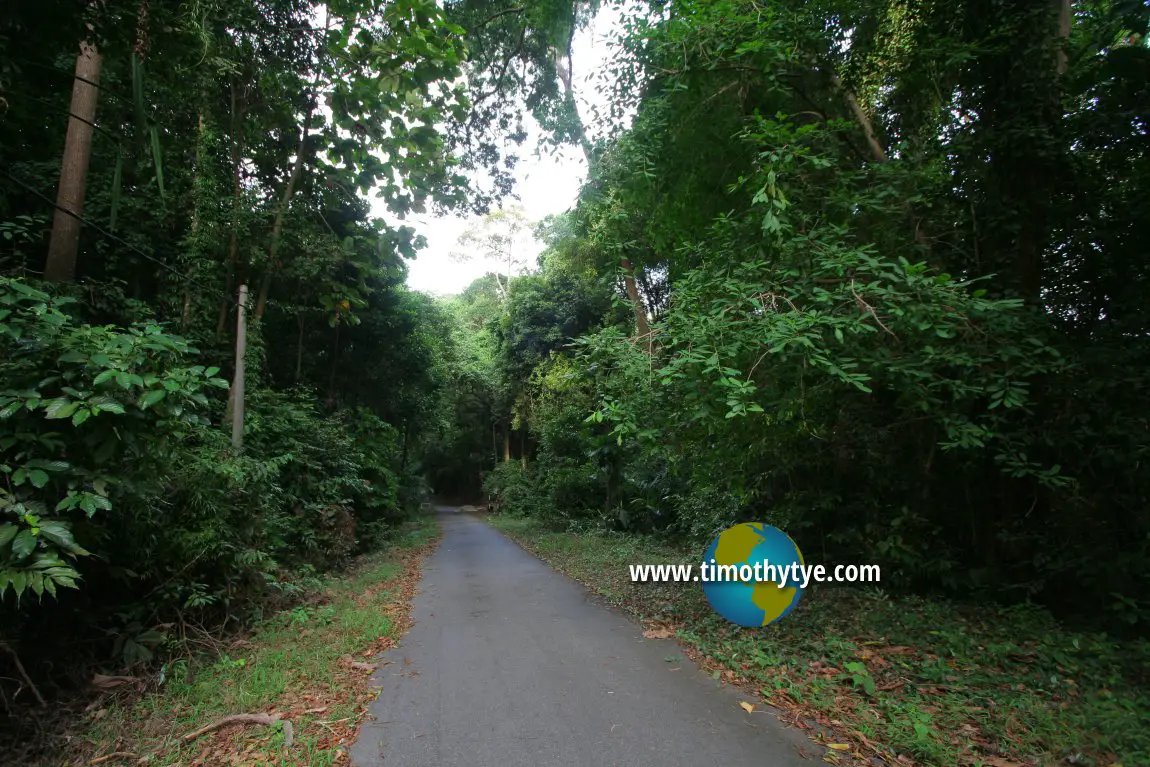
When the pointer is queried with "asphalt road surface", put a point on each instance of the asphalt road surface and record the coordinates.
(510, 664)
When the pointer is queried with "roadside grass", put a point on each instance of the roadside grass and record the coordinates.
(308, 666)
(911, 681)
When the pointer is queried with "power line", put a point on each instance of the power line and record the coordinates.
(100, 230)
(190, 280)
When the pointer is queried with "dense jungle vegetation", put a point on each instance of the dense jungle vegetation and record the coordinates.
(869, 271)
(154, 157)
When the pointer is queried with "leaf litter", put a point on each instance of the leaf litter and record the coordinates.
(290, 731)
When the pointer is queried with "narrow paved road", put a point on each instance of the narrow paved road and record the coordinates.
(510, 664)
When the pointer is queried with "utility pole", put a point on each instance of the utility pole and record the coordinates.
(238, 381)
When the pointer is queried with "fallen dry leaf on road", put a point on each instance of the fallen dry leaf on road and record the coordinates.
(659, 633)
(839, 746)
(748, 707)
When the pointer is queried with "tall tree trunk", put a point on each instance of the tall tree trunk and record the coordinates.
(65, 241)
(334, 366)
(566, 74)
(642, 327)
(403, 454)
(1020, 95)
(293, 182)
(860, 117)
(197, 199)
(299, 348)
(281, 214)
(507, 444)
(1064, 16)
(237, 196)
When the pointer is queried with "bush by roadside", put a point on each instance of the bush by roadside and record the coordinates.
(292, 692)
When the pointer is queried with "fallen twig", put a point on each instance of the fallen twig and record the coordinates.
(113, 755)
(264, 719)
(23, 674)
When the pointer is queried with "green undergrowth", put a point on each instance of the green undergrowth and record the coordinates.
(297, 664)
(930, 681)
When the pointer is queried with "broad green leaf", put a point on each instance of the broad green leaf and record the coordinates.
(39, 463)
(109, 406)
(7, 533)
(23, 544)
(60, 408)
(58, 533)
(151, 397)
(19, 581)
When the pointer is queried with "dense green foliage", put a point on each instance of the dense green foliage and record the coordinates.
(889, 257)
(874, 272)
(231, 145)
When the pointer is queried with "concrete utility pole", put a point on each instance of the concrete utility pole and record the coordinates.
(238, 381)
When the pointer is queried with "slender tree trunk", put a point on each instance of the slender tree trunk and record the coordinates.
(403, 454)
(289, 190)
(281, 214)
(1022, 182)
(237, 196)
(233, 250)
(502, 291)
(197, 170)
(334, 365)
(299, 348)
(642, 327)
(566, 74)
(507, 444)
(860, 117)
(277, 228)
(1064, 16)
(65, 240)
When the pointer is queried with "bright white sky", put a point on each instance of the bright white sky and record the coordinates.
(545, 185)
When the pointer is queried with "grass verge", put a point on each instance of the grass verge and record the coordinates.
(305, 671)
(906, 680)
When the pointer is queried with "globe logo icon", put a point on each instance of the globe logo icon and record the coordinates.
(737, 596)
